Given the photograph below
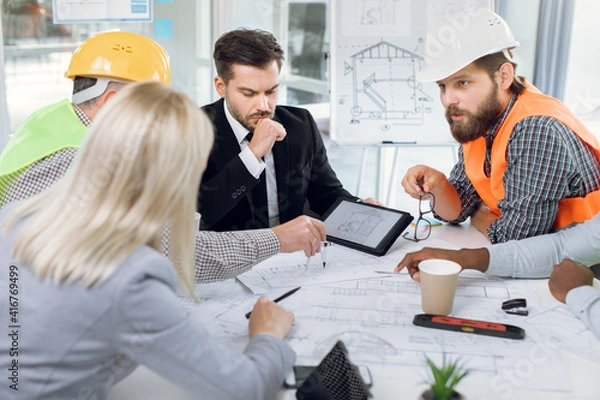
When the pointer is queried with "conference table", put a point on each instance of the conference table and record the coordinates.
(371, 312)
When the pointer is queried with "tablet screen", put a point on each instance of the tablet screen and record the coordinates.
(365, 225)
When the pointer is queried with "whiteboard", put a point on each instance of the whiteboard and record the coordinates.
(377, 48)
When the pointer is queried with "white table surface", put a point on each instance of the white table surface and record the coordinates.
(583, 374)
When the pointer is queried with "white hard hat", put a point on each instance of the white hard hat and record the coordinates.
(456, 40)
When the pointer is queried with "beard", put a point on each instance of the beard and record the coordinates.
(476, 124)
(248, 122)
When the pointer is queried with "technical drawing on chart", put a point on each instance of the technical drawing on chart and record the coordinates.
(350, 311)
(384, 86)
(377, 12)
(374, 320)
(373, 317)
(358, 226)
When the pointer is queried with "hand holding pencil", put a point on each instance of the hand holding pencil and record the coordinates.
(277, 300)
(268, 317)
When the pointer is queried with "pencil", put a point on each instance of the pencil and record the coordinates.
(277, 300)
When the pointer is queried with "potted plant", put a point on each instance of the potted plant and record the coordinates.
(443, 380)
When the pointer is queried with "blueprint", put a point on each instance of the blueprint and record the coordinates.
(374, 319)
(343, 264)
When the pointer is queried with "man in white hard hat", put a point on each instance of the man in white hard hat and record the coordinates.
(527, 165)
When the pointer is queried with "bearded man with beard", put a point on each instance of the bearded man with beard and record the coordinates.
(268, 164)
(526, 165)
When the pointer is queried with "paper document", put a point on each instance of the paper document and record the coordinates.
(374, 319)
(343, 264)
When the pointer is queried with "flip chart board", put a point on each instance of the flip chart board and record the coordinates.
(377, 48)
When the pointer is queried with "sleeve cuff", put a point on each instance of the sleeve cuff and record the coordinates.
(579, 299)
(500, 263)
(267, 243)
(255, 167)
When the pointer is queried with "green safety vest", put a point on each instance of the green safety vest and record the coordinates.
(47, 131)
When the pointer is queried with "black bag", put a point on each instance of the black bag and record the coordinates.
(335, 378)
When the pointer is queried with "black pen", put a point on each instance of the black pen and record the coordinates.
(277, 300)
(324, 252)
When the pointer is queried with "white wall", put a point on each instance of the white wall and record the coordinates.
(522, 17)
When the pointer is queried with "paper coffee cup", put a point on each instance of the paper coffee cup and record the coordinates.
(438, 285)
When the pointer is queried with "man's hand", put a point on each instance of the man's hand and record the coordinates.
(302, 233)
(422, 179)
(270, 318)
(370, 200)
(568, 275)
(483, 218)
(467, 258)
(266, 133)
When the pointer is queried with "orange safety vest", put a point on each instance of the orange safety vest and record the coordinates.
(491, 190)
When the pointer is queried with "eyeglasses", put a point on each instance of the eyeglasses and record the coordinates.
(423, 225)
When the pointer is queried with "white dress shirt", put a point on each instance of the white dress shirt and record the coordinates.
(536, 257)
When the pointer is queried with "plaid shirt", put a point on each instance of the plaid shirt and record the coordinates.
(219, 256)
(546, 162)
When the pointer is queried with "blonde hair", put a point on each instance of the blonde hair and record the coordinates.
(138, 170)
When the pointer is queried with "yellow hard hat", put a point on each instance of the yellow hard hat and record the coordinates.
(122, 55)
(456, 40)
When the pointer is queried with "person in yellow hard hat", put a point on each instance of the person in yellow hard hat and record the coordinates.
(43, 147)
(527, 165)
(42, 150)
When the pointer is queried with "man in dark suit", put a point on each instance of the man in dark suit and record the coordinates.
(268, 163)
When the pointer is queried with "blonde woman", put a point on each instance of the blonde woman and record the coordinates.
(90, 296)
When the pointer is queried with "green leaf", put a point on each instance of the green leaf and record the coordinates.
(445, 378)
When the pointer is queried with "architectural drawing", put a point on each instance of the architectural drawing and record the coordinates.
(374, 320)
(377, 12)
(384, 86)
(373, 317)
(358, 226)
(295, 269)
(375, 18)
(377, 48)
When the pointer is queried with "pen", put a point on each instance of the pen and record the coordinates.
(393, 142)
(277, 300)
(325, 244)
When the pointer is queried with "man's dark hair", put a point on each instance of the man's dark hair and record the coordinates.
(492, 62)
(252, 47)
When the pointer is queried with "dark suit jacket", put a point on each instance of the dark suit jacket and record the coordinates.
(302, 170)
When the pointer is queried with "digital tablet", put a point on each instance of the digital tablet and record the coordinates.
(366, 227)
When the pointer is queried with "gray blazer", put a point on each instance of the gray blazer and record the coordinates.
(69, 342)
